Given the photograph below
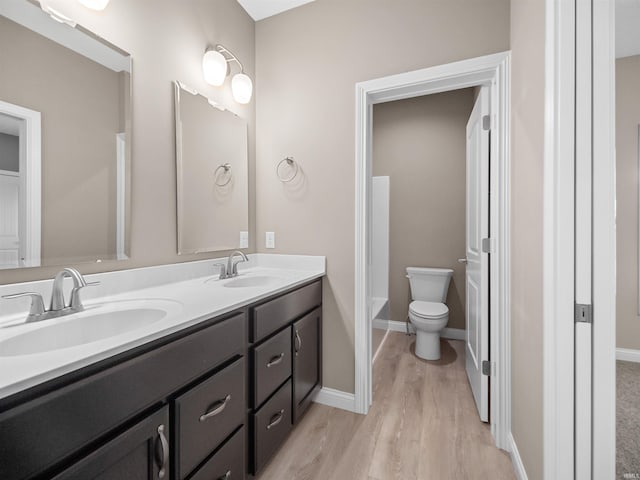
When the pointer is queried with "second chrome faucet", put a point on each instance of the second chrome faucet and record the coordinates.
(231, 268)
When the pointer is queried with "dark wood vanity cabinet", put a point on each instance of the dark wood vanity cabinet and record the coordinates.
(286, 353)
(214, 401)
(73, 419)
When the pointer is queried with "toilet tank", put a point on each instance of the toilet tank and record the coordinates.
(429, 284)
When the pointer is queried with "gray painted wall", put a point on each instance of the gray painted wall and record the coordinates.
(527, 158)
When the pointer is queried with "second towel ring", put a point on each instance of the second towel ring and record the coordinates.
(293, 164)
(227, 170)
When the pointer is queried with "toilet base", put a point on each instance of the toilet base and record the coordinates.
(428, 345)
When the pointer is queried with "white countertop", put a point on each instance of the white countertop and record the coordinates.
(194, 295)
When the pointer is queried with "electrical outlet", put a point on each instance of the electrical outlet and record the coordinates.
(244, 239)
(270, 240)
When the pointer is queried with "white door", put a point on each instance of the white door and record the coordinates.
(477, 275)
(11, 253)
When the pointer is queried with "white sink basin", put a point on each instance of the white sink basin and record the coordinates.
(96, 323)
(252, 281)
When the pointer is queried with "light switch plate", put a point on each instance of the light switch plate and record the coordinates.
(270, 240)
(244, 239)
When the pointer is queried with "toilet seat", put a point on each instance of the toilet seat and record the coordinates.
(428, 310)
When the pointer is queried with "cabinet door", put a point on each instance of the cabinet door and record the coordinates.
(307, 360)
(140, 453)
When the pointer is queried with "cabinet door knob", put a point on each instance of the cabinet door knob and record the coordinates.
(275, 360)
(162, 454)
(217, 408)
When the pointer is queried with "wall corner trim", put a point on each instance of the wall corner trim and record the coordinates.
(336, 398)
(518, 466)
(628, 355)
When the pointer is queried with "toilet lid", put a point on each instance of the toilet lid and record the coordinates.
(428, 309)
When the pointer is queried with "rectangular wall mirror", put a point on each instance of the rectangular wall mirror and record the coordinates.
(211, 156)
(65, 142)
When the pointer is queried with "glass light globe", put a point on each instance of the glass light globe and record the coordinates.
(214, 67)
(94, 4)
(242, 88)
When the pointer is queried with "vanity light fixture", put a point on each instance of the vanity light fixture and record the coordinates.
(48, 7)
(94, 4)
(215, 65)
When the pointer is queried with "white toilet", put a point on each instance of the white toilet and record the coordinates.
(427, 312)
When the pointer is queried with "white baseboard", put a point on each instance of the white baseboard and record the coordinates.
(336, 398)
(391, 325)
(628, 355)
(396, 326)
(518, 466)
(454, 333)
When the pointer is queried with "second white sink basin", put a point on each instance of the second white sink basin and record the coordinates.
(95, 323)
(252, 281)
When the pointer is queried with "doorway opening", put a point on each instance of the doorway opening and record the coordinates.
(19, 186)
(492, 74)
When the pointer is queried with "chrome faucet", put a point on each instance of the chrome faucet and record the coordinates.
(57, 293)
(57, 308)
(231, 268)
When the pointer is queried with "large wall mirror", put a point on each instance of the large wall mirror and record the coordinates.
(211, 153)
(65, 142)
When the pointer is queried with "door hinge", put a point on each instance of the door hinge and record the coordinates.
(486, 122)
(583, 313)
(487, 245)
(487, 368)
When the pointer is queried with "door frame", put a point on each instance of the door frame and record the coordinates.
(30, 176)
(559, 240)
(490, 70)
(603, 445)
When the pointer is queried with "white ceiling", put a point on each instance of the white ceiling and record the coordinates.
(627, 28)
(259, 9)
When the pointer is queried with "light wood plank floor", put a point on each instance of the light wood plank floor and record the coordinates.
(423, 424)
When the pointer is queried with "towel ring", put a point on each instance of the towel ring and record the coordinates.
(292, 163)
(227, 170)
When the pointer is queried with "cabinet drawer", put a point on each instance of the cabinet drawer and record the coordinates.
(277, 313)
(208, 413)
(271, 365)
(71, 417)
(271, 426)
(228, 463)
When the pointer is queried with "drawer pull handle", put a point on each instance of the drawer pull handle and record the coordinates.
(162, 454)
(275, 360)
(218, 407)
(226, 476)
(276, 419)
(298, 342)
